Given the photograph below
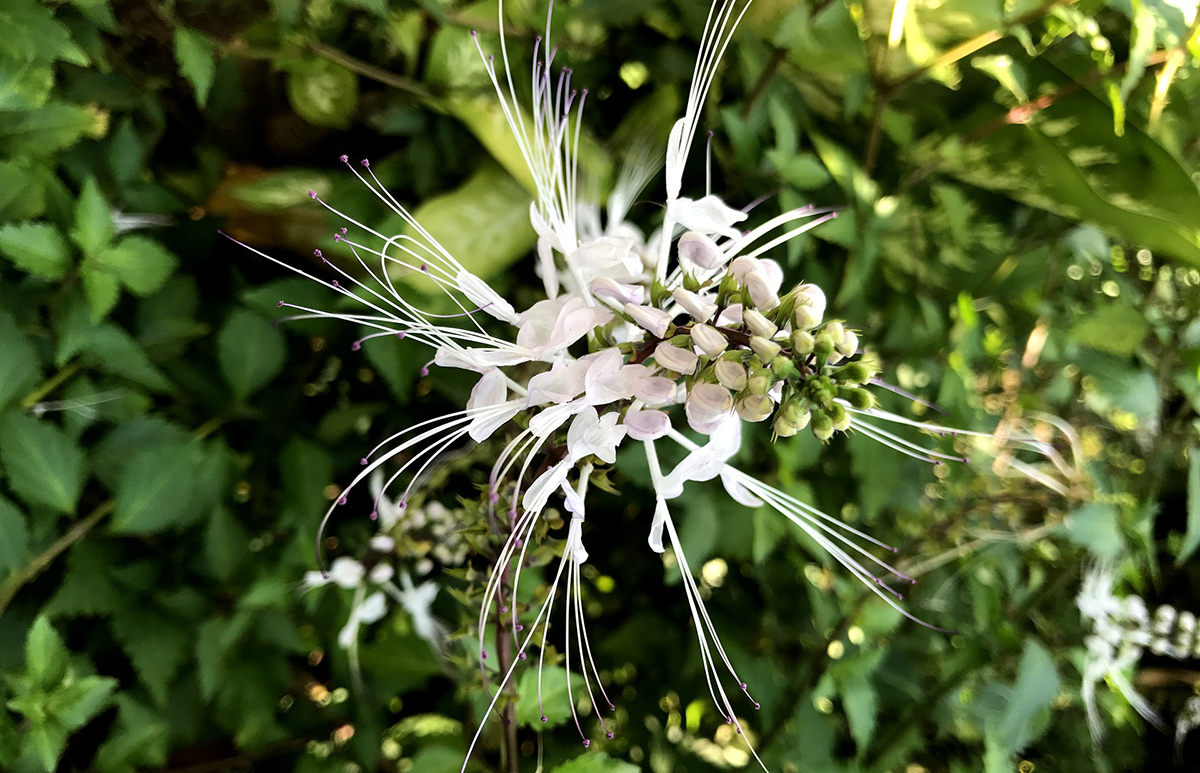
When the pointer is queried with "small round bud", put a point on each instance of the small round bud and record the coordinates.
(754, 408)
(701, 250)
(675, 358)
(655, 321)
(784, 368)
(804, 318)
(812, 297)
(765, 348)
(758, 324)
(707, 406)
(760, 383)
(855, 373)
(836, 331)
(783, 428)
(803, 342)
(859, 398)
(840, 418)
(822, 425)
(849, 344)
(761, 293)
(708, 340)
(699, 308)
(731, 374)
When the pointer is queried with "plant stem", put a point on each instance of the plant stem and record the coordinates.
(42, 560)
(49, 385)
(368, 70)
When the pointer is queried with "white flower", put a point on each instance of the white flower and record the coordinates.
(707, 407)
(595, 435)
(675, 358)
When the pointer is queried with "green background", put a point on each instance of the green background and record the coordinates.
(1021, 233)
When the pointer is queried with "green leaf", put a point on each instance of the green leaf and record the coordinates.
(44, 131)
(101, 288)
(1191, 539)
(377, 7)
(22, 190)
(46, 658)
(35, 35)
(484, 224)
(554, 696)
(156, 648)
(14, 547)
(77, 703)
(38, 248)
(94, 228)
(862, 709)
(157, 490)
(47, 740)
(112, 350)
(1117, 328)
(323, 93)
(598, 762)
(45, 467)
(87, 588)
(20, 371)
(251, 352)
(140, 263)
(1033, 692)
(196, 61)
(140, 741)
(24, 85)
(1096, 527)
(281, 189)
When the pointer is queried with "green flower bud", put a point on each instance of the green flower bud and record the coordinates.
(803, 342)
(839, 417)
(784, 428)
(765, 348)
(761, 382)
(855, 373)
(754, 408)
(858, 397)
(784, 368)
(849, 344)
(822, 425)
(835, 330)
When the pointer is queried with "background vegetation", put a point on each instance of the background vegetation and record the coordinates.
(1022, 234)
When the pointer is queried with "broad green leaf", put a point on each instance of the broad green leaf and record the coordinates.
(157, 490)
(196, 61)
(484, 224)
(1096, 527)
(46, 657)
(94, 228)
(1191, 539)
(1032, 693)
(250, 351)
(24, 85)
(76, 703)
(140, 740)
(323, 93)
(88, 588)
(1116, 328)
(554, 696)
(14, 547)
(47, 740)
(38, 248)
(101, 288)
(141, 264)
(22, 190)
(377, 7)
(110, 349)
(155, 647)
(862, 709)
(35, 35)
(45, 467)
(20, 371)
(44, 131)
(392, 359)
(281, 189)
(598, 762)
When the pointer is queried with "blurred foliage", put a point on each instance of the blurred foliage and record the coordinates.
(1022, 234)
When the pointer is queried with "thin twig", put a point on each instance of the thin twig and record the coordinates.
(42, 560)
(764, 80)
(367, 70)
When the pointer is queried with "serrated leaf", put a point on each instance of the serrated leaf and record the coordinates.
(77, 703)
(87, 588)
(47, 740)
(44, 131)
(101, 288)
(250, 351)
(1117, 328)
(225, 545)
(210, 655)
(22, 190)
(195, 57)
(112, 350)
(862, 709)
(20, 370)
(140, 741)
(157, 490)
(555, 701)
(46, 657)
(140, 263)
(323, 93)
(155, 647)
(94, 228)
(34, 35)
(1191, 539)
(45, 467)
(598, 762)
(38, 248)
(1096, 527)
(14, 546)
(25, 85)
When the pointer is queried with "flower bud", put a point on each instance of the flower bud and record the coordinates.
(646, 424)
(762, 294)
(804, 318)
(765, 348)
(803, 342)
(783, 428)
(858, 397)
(836, 332)
(731, 374)
(794, 412)
(605, 288)
(822, 425)
(754, 408)
(676, 358)
(849, 343)
(706, 407)
(839, 417)
(708, 340)
(824, 346)
(741, 267)
(784, 368)
(701, 309)
(855, 373)
(760, 383)
(701, 250)
(758, 324)
(656, 321)
(812, 297)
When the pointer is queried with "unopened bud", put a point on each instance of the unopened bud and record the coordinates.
(754, 408)
(606, 288)
(708, 340)
(758, 324)
(701, 250)
(796, 414)
(784, 368)
(656, 321)
(859, 398)
(804, 318)
(699, 308)
(741, 267)
(760, 383)
(783, 428)
(836, 331)
(765, 348)
(761, 293)
(822, 425)
(839, 417)
(731, 374)
(849, 344)
(812, 297)
(707, 406)
(855, 373)
(676, 358)
(803, 342)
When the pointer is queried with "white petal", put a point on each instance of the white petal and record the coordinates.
(647, 424)
(737, 491)
(478, 359)
(483, 296)
(656, 390)
(708, 215)
(656, 527)
(550, 419)
(540, 490)
(345, 572)
(373, 608)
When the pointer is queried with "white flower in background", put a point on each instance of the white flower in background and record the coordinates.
(634, 341)
(1121, 630)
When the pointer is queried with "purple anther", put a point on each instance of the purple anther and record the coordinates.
(518, 544)
(744, 685)
(312, 194)
(400, 335)
(424, 267)
(280, 305)
(318, 254)
(342, 499)
(611, 708)
(424, 372)
(343, 231)
(334, 282)
(503, 609)
(518, 627)
(483, 656)
(403, 504)
(756, 707)
(474, 34)
(374, 515)
(354, 347)
(739, 731)
(344, 158)
(366, 163)
(363, 461)
(586, 743)
(521, 656)
(337, 237)
(610, 735)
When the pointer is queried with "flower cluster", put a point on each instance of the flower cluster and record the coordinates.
(639, 336)
(1121, 630)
